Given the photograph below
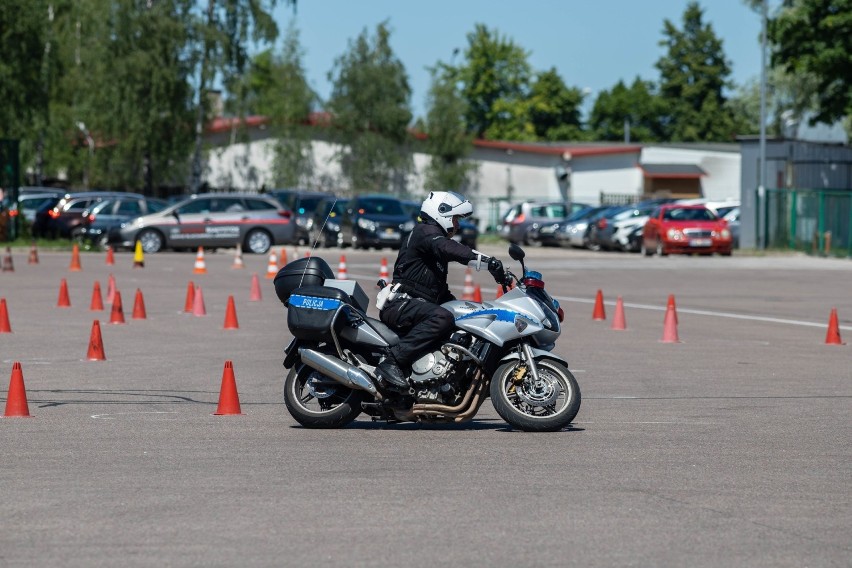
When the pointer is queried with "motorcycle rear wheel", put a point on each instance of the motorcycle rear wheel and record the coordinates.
(317, 401)
(559, 395)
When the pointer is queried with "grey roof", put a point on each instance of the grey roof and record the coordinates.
(673, 170)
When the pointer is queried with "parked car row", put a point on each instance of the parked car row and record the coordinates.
(659, 226)
(254, 222)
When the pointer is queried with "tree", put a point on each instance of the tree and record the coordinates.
(222, 34)
(815, 37)
(23, 37)
(279, 90)
(137, 99)
(693, 75)
(370, 104)
(639, 106)
(447, 142)
(495, 83)
(554, 108)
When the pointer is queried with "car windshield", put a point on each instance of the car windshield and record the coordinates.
(380, 207)
(102, 205)
(691, 214)
(550, 210)
(308, 204)
(581, 214)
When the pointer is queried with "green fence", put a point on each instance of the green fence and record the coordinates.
(812, 220)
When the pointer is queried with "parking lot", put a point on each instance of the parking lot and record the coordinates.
(730, 448)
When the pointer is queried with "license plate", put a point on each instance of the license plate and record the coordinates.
(390, 234)
(700, 242)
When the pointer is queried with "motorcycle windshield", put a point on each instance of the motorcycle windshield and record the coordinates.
(547, 303)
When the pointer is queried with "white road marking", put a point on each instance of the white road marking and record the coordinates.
(113, 415)
(706, 313)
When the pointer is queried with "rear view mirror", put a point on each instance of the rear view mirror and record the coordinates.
(516, 252)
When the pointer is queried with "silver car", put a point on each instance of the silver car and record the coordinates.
(254, 222)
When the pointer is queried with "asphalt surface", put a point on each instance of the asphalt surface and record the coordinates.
(731, 448)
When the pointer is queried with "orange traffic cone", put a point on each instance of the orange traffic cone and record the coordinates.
(190, 298)
(16, 400)
(467, 291)
(97, 304)
(670, 304)
(4, 317)
(8, 264)
(282, 258)
(238, 258)
(383, 271)
(110, 256)
(200, 267)
(255, 288)
(139, 312)
(599, 313)
(272, 266)
(198, 308)
(619, 323)
(96, 344)
(477, 294)
(64, 300)
(832, 337)
(33, 254)
(229, 399)
(231, 315)
(341, 269)
(117, 314)
(110, 289)
(670, 328)
(75, 259)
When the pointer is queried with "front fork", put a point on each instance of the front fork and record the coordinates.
(527, 356)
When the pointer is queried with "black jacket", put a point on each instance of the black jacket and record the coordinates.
(421, 266)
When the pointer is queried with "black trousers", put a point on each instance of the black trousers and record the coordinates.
(421, 325)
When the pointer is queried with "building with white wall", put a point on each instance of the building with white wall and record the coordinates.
(506, 172)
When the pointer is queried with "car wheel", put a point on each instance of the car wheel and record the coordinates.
(257, 241)
(151, 239)
(660, 250)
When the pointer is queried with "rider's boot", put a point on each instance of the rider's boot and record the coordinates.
(392, 375)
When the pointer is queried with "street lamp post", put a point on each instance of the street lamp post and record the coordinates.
(761, 188)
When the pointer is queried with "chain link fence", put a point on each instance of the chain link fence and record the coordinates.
(816, 221)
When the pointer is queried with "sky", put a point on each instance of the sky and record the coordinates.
(592, 43)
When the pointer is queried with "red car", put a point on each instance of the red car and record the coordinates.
(686, 229)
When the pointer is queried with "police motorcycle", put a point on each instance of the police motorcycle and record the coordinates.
(500, 348)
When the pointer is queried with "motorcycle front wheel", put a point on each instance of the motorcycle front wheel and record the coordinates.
(317, 401)
(546, 406)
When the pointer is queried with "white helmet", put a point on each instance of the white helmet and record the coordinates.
(442, 206)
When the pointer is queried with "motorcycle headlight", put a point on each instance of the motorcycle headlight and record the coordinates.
(366, 224)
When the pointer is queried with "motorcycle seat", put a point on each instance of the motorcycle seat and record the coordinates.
(387, 333)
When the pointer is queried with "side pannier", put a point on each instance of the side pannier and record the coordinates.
(313, 311)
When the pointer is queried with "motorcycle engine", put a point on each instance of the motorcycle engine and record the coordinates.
(433, 374)
(429, 368)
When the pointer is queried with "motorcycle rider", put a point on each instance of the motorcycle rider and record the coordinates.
(420, 281)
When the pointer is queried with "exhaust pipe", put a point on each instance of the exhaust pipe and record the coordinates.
(340, 371)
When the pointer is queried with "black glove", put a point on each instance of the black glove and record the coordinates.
(495, 267)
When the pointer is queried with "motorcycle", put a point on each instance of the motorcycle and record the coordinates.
(500, 348)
